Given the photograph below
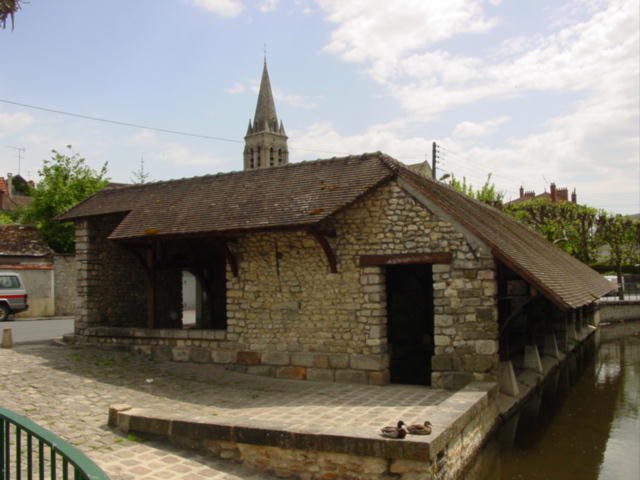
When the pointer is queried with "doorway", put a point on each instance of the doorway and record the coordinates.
(410, 323)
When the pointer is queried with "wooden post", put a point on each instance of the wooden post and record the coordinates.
(151, 287)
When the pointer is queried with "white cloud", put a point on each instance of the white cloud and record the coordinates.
(11, 123)
(143, 138)
(235, 89)
(157, 150)
(268, 6)
(294, 100)
(179, 155)
(222, 8)
(590, 61)
(478, 129)
(322, 140)
(382, 32)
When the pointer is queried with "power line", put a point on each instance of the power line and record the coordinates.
(118, 122)
(467, 161)
(162, 130)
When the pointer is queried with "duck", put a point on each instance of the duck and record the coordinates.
(399, 431)
(418, 429)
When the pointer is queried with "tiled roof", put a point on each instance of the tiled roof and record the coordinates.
(290, 195)
(22, 241)
(303, 194)
(563, 279)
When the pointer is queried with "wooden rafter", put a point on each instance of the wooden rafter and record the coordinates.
(321, 238)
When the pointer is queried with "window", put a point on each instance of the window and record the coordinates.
(271, 159)
(9, 282)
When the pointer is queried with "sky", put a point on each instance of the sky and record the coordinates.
(532, 92)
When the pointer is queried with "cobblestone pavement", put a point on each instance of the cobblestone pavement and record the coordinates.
(68, 391)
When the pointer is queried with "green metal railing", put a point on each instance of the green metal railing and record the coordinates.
(28, 451)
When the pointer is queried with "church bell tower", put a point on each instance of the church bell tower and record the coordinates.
(265, 144)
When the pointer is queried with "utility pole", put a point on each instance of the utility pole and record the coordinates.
(434, 161)
(20, 151)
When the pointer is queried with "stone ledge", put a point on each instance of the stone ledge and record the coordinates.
(454, 414)
(142, 421)
(155, 333)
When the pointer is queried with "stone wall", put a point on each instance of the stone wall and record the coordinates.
(66, 274)
(619, 311)
(110, 279)
(289, 316)
(302, 321)
(38, 281)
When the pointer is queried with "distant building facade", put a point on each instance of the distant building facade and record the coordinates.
(12, 192)
(554, 195)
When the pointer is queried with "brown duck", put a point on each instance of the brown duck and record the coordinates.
(399, 431)
(418, 429)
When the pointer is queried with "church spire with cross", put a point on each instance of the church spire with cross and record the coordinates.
(265, 144)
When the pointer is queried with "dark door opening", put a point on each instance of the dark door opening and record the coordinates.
(410, 323)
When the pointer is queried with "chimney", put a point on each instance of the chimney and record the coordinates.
(554, 198)
(574, 198)
(521, 192)
(562, 194)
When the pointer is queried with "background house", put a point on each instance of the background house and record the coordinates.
(13, 192)
(50, 278)
(554, 195)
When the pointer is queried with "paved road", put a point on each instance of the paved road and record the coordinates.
(25, 331)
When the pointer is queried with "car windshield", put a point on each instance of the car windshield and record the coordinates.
(9, 281)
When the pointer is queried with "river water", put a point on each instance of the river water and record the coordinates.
(584, 423)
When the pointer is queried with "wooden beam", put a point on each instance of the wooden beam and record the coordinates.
(151, 288)
(405, 259)
(231, 258)
(328, 251)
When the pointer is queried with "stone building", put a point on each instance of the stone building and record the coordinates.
(352, 269)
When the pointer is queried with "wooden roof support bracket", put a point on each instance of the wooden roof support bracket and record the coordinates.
(321, 238)
(231, 258)
(405, 259)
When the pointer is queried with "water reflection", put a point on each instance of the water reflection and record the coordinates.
(582, 424)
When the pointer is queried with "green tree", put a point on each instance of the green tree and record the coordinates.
(65, 181)
(622, 235)
(487, 194)
(568, 225)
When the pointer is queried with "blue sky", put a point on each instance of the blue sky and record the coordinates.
(532, 91)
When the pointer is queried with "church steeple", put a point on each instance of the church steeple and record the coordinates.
(265, 141)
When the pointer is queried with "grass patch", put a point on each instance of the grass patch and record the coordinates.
(132, 437)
